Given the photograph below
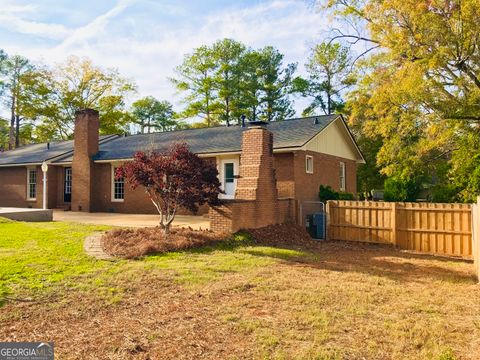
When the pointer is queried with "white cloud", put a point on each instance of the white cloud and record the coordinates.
(12, 18)
(148, 48)
(94, 27)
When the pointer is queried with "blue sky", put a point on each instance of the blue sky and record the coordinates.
(146, 39)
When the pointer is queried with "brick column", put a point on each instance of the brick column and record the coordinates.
(257, 180)
(85, 147)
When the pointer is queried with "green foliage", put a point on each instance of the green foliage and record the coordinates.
(330, 74)
(419, 92)
(345, 196)
(195, 81)
(226, 80)
(4, 128)
(18, 93)
(79, 84)
(326, 193)
(396, 189)
(152, 114)
(447, 193)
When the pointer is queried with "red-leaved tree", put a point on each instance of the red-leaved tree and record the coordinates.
(173, 179)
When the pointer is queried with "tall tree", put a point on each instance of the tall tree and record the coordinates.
(15, 70)
(152, 114)
(227, 80)
(422, 85)
(227, 55)
(249, 89)
(78, 84)
(195, 78)
(329, 75)
(276, 85)
(4, 131)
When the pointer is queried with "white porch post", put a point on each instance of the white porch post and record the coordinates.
(44, 170)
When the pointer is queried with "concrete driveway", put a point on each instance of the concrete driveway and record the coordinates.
(129, 220)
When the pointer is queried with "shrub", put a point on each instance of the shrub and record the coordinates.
(400, 190)
(327, 193)
(345, 196)
(444, 193)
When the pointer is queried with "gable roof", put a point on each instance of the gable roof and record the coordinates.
(223, 139)
(287, 134)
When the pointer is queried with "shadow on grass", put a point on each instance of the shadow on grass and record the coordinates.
(378, 260)
(372, 259)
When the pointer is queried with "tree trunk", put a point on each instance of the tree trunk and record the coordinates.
(17, 131)
(11, 135)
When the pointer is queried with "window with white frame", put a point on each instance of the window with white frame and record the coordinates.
(309, 164)
(342, 177)
(31, 184)
(118, 186)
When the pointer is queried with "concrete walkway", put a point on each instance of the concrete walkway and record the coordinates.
(128, 220)
(93, 246)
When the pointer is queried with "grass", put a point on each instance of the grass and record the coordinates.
(235, 300)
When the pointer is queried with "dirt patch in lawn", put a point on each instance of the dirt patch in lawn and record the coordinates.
(283, 235)
(135, 243)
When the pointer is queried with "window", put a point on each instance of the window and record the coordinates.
(309, 164)
(118, 186)
(68, 180)
(31, 184)
(342, 176)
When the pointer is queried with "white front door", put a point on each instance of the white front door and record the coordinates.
(228, 171)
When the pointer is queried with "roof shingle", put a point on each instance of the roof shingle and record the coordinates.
(222, 139)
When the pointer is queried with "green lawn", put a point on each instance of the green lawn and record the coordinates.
(39, 258)
(234, 300)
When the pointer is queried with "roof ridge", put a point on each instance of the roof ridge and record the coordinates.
(233, 126)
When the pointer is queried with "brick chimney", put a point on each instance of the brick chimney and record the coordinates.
(85, 147)
(257, 175)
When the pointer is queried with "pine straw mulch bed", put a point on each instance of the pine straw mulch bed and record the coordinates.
(135, 243)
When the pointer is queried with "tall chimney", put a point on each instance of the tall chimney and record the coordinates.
(257, 180)
(85, 146)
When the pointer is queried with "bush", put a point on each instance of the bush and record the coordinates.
(444, 193)
(327, 193)
(345, 196)
(400, 190)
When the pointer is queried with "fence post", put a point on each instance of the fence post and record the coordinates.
(393, 223)
(327, 221)
(476, 237)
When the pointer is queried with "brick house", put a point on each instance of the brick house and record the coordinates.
(294, 156)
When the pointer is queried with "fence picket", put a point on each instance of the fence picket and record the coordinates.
(430, 228)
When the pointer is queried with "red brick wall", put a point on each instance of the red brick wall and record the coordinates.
(257, 175)
(326, 171)
(135, 202)
(84, 179)
(235, 215)
(13, 187)
(283, 163)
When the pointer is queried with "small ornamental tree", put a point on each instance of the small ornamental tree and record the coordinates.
(173, 179)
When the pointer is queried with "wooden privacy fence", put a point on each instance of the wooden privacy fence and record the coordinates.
(444, 229)
(476, 236)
